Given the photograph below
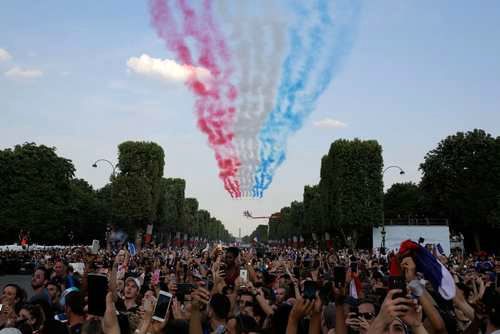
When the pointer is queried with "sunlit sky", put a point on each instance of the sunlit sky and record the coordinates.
(418, 71)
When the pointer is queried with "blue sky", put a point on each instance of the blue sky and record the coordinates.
(418, 71)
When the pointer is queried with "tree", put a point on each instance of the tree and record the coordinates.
(284, 229)
(461, 177)
(136, 190)
(190, 209)
(351, 187)
(85, 217)
(404, 200)
(171, 204)
(296, 218)
(203, 220)
(34, 192)
(313, 219)
(259, 234)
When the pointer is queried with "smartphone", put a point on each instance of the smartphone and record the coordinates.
(162, 306)
(95, 247)
(244, 275)
(222, 269)
(310, 289)
(398, 282)
(184, 289)
(339, 276)
(1, 307)
(208, 284)
(355, 310)
(326, 293)
(97, 290)
(155, 279)
(354, 267)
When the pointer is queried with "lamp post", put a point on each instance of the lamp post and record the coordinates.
(383, 232)
(113, 166)
(113, 175)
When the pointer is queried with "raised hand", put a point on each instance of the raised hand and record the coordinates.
(301, 308)
(353, 321)
(110, 321)
(200, 297)
(394, 308)
(413, 317)
(409, 267)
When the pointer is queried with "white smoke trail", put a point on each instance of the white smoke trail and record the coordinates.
(258, 44)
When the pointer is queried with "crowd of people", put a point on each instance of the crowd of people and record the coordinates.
(226, 289)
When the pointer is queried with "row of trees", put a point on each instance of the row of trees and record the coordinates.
(346, 202)
(460, 182)
(39, 193)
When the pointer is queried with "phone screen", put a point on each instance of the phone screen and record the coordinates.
(326, 293)
(162, 306)
(339, 274)
(95, 247)
(397, 282)
(244, 274)
(309, 289)
(97, 289)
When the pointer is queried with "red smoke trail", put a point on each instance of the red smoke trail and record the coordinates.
(215, 111)
(215, 98)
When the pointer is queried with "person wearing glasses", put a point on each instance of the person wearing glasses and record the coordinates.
(362, 317)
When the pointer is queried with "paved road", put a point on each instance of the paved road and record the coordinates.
(24, 281)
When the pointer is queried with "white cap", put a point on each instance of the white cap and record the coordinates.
(136, 281)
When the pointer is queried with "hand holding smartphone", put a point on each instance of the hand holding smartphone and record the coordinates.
(162, 306)
(339, 276)
(310, 288)
(398, 282)
(244, 275)
(97, 290)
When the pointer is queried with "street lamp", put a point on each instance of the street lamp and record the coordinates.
(113, 175)
(113, 167)
(383, 232)
(401, 171)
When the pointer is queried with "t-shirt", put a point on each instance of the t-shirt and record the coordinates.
(44, 295)
(120, 307)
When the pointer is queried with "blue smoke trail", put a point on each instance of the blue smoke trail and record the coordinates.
(297, 97)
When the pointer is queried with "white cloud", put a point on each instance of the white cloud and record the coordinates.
(23, 73)
(165, 69)
(4, 55)
(329, 123)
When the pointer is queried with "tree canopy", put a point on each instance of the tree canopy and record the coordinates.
(39, 193)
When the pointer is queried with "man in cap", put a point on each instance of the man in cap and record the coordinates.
(130, 293)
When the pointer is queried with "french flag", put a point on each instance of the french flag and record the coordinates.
(433, 270)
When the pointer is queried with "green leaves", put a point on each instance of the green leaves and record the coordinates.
(351, 185)
(136, 189)
(39, 193)
(461, 178)
(403, 200)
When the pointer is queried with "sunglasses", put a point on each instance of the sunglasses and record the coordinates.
(367, 316)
